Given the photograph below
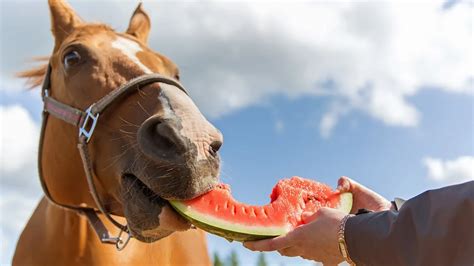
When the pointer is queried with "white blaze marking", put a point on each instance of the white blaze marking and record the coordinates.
(130, 49)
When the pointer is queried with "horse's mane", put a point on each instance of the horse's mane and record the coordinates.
(35, 76)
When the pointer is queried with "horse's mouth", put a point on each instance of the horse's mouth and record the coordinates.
(135, 184)
(149, 216)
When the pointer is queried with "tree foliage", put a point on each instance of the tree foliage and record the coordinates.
(233, 259)
(217, 260)
(261, 261)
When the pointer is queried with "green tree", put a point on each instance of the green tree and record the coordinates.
(261, 261)
(233, 260)
(217, 260)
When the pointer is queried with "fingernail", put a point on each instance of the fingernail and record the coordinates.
(344, 185)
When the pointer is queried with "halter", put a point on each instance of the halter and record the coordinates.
(86, 121)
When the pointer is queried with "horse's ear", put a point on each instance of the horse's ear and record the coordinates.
(139, 24)
(63, 20)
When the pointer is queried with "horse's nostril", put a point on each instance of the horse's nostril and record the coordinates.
(163, 137)
(215, 146)
(160, 138)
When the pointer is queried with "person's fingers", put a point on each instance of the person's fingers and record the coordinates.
(344, 184)
(308, 217)
(354, 186)
(363, 196)
(276, 243)
(289, 252)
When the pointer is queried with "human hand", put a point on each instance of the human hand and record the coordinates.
(315, 240)
(363, 198)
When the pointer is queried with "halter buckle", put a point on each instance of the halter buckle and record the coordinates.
(122, 243)
(119, 242)
(88, 126)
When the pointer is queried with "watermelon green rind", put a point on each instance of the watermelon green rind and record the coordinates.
(228, 230)
(233, 231)
(345, 202)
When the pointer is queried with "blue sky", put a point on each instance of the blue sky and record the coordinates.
(381, 93)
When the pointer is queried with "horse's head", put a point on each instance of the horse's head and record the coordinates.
(151, 145)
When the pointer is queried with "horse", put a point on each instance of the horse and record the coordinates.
(150, 145)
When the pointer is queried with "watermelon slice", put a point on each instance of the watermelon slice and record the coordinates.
(219, 213)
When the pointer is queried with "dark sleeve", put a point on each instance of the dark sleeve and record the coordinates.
(433, 228)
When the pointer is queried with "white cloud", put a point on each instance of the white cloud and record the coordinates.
(16, 207)
(391, 108)
(235, 54)
(450, 171)
(331, 118)
(18, 138)
(19, 186)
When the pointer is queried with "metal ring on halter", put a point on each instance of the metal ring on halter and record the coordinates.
(121, 244)
(89, 123)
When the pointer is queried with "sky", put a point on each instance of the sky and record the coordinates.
(380, 91)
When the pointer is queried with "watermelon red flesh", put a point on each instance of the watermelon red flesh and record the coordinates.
(219, 213)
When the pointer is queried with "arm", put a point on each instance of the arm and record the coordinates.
(434, 228)
(441, 226)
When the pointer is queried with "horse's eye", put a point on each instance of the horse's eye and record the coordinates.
(71, 59)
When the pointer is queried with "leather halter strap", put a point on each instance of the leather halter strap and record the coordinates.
(86, 121)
